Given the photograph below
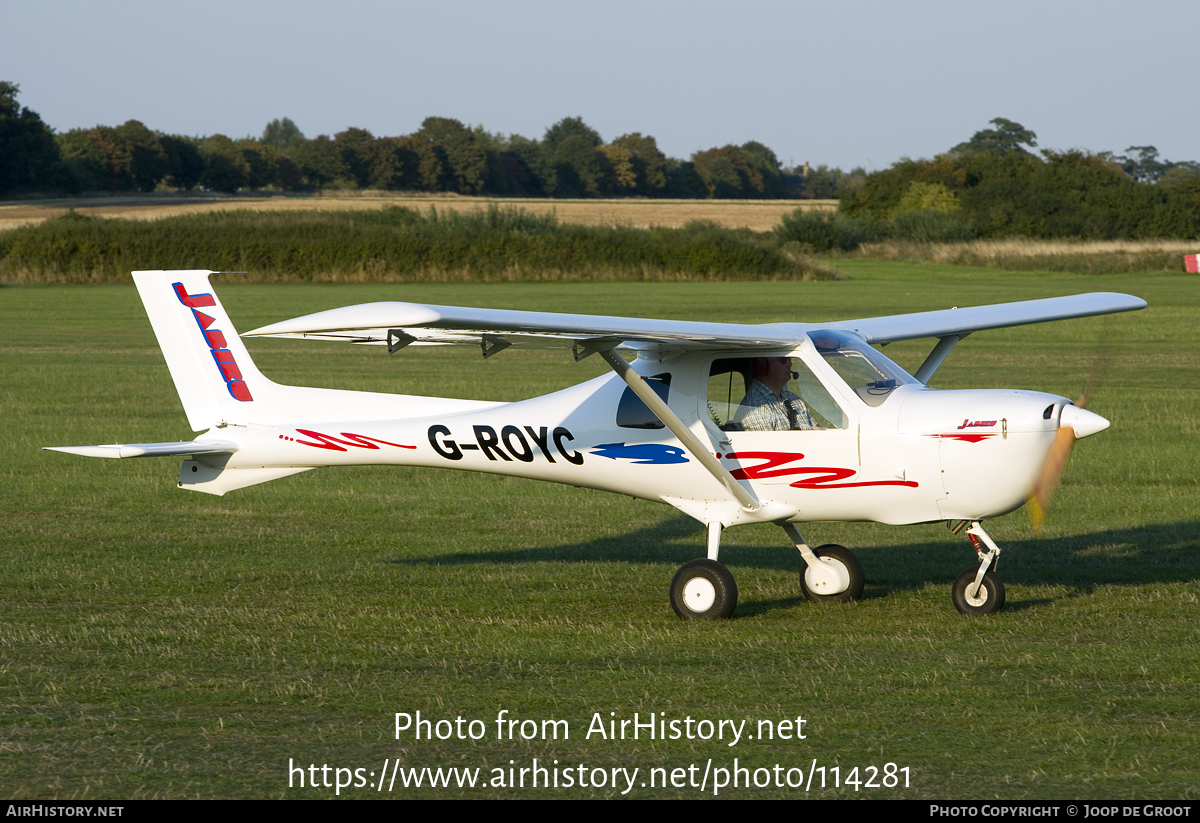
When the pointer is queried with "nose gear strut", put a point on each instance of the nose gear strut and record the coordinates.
(978, 591)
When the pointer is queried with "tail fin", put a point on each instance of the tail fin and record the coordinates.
(213, 372)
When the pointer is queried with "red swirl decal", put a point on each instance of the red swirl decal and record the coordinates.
(827, 478)
(767, 469)
(358, 441)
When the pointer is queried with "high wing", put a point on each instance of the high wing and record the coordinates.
(381, 323)
(398, 324)
(962, 322)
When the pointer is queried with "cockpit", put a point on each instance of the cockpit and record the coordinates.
(776, 393)
(781, 393)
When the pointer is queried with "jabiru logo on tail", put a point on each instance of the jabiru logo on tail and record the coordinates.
(215, 339)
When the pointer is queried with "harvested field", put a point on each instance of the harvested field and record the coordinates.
(1022, 247)
(1023, 254)
(759, 215)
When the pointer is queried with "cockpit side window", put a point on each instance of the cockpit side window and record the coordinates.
(777, 393)
(632, 413)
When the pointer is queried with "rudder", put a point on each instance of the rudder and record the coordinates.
(213, 373)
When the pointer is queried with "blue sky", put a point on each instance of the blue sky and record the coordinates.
(857, 82)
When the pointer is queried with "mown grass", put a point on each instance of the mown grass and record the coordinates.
(155, 643)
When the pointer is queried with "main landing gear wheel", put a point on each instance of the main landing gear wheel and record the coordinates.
(703, 589)
(833, 553)
(990, 597)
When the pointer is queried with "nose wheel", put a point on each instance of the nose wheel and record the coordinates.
(985, 598)
(978, 590)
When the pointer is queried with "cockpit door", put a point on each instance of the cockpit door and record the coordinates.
(779, 425)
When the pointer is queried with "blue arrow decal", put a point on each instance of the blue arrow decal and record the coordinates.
(642, 453)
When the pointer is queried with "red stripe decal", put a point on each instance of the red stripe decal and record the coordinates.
(764, 470)
(827, 477)
(360, 441)
(830, 476)
(969, 438)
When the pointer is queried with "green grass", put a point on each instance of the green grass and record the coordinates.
(155, 643)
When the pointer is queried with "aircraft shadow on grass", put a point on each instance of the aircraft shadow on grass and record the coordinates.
(1138, 555)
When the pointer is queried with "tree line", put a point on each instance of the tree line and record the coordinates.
(993, 186)
(570, 160)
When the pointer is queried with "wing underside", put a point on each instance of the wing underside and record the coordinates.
(389, 323)
(398, 324)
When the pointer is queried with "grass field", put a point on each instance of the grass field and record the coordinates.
(160, 644)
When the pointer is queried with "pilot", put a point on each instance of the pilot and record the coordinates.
(768, 405)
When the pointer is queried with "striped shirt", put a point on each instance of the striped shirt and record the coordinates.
(763, 410)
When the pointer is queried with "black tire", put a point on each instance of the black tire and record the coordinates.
(703, 589)
(991, 593)
(840, 554)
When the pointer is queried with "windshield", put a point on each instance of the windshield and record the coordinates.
(872, 376)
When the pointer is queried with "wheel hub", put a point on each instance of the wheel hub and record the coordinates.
(980, 597)
(699, 595)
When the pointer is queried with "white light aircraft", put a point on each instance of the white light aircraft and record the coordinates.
(731, 424)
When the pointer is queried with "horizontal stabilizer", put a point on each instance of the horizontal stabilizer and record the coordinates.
(178, 449)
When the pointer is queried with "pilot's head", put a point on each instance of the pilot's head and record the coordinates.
(773, 372)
